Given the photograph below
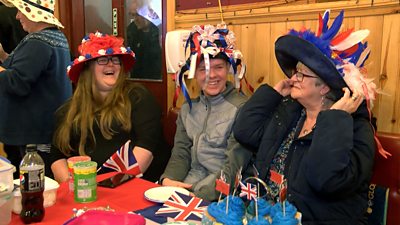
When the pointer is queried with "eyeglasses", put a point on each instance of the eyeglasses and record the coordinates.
(300, 76)
(104, 60)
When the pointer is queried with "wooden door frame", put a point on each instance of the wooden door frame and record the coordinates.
(72, 16)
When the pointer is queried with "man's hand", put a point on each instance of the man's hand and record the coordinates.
(174, 183)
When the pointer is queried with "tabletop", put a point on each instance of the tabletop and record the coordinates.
(124, 198)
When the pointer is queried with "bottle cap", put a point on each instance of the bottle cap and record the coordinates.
(31, 147)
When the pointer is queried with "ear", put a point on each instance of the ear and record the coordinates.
(325, 89)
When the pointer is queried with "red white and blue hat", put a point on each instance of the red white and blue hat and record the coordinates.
(97, 45)
(337, 58)
(207, 41)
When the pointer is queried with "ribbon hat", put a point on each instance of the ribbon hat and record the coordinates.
(209, 41)
(36, 10)
(97, 45)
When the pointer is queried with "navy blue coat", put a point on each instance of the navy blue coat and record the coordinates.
(33, 86)
(328, 170)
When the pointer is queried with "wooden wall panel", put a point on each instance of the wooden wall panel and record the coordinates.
(256, 41)
(388, 110)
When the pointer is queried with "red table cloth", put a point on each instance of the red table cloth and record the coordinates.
(124, 198)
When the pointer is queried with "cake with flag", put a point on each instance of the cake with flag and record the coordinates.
(232, 210)
(217, 213)
(263, 209)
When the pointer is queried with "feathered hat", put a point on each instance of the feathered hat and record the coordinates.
(96, 45)
(207, 42)
(338, 59)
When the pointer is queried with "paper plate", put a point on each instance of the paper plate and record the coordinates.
(161, 194)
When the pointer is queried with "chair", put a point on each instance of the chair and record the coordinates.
(170, 125)
(387, 174)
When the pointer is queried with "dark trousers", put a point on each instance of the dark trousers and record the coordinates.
(15, 153)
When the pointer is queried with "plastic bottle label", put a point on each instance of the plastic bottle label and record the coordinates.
(32, 180)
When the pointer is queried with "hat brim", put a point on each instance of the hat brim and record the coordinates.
(6, 3)
(34, 14)
(127, 61)
(289, 50)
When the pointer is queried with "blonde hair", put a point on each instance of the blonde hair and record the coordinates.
(86, 107)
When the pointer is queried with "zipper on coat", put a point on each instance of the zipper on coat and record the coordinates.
(208, 110)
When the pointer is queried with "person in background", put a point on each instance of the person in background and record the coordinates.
(143, 36)
(33, 81)
(107, 112)
(314, 128)
(11, 32)
(202, 147)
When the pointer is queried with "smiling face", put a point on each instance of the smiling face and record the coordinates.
(106, 76)
(218, 74)
(307, 87)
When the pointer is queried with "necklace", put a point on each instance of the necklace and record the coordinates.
(307, 131)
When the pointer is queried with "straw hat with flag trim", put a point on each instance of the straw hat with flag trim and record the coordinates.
(36, 10)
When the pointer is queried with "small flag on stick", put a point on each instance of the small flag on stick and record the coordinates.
(222, 187)
(238, 178)
(249, 190)
(276, 177)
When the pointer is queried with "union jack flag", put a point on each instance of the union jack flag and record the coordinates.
(183, 207)
(124, 161)
(249, 190)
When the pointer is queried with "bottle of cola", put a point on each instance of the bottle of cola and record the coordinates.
(32, 186)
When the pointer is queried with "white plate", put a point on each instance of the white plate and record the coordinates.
(162, 194)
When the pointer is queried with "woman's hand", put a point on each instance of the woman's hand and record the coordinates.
(284, 87)
(174, 183)
(348, 103)
(60, 170)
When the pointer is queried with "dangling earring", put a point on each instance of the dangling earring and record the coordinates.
(323, 100)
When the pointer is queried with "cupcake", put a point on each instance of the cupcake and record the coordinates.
(261, 221)
(216, 212)
(280, 219)
(264, 208)
(290, 210)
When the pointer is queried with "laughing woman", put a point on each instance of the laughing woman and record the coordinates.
(107, 111)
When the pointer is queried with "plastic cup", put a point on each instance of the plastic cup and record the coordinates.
(6, 205)
(85, 186)
(71, 162)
